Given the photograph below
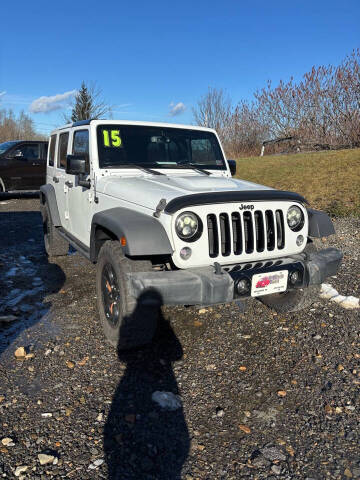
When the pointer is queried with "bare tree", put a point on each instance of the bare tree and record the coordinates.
(213, 110)
(320, 111)
(88, 104)
(19, 127)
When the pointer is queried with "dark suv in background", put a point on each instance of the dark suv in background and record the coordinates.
(22, 165)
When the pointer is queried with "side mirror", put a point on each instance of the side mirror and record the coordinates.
(232, 166)
(76, 164)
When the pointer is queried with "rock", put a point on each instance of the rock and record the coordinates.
(245, 428)
(21, 469)
(281, 393)
(167, 400)
(242, 368)
(20, 353)
(96, 464)
(70, 364)
(258, 460)
(219, 412)
(7, 442)
(276, 469)
(348, 473)
(272, 453)
(46, 415)
(45, 459)
(100, 417)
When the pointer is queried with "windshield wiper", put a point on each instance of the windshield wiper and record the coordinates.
(191, 167)
(134, 165)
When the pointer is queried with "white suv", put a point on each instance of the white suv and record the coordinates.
(155, 206)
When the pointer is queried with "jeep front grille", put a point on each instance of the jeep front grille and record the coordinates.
(246, 232)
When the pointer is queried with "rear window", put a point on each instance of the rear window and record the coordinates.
(62, 151)
(52, 150)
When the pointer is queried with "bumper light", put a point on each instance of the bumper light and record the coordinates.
(242, 286)
(295, 277)
(185, 253)
(299, 240)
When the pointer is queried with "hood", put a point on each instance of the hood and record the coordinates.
(147, 191)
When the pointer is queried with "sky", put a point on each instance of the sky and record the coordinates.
(154, 60)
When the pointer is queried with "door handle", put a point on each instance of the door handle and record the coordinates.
(55, 179)
(69, 184)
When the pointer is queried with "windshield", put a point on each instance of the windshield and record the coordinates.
(5, 146)
(157, 147)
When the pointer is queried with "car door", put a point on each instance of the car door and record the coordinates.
(10, 168)
(80, 198)
(60, 179)
(39, 177)
(21, 165)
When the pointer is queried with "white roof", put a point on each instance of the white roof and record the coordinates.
(139, 123)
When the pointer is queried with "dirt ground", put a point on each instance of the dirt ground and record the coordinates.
(263, 396)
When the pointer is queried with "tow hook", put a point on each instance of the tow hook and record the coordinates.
(217, 267)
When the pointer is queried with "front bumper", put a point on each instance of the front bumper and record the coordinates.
(215, 284)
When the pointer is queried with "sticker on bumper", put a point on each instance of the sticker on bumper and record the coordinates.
(267, 283)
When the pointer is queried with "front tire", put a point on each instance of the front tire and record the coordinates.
(127, 322)
(293, 300)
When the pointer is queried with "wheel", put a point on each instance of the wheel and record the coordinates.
(127, 322)
(55, 244)
(293, 300)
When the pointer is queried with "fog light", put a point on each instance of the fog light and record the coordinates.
(299, 240)
(185, 253)
(294, 277)
(242, 286)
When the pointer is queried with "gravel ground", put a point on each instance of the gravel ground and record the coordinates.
(263, 395)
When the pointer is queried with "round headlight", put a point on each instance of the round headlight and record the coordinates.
(295, 218)
(188, 226)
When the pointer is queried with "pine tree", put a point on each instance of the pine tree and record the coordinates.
(88, 105)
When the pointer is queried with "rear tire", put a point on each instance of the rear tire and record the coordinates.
(55, 244)
(293, 300)
(127, 322)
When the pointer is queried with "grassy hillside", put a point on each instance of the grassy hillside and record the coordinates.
(330, 181)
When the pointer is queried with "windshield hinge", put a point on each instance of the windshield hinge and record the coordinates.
(160, 207)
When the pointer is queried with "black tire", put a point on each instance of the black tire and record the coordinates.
(127, 322)
(55, 244)
(293, 300)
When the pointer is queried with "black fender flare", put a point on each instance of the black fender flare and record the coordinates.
(48, 191)
(144, 234)
(320, 224)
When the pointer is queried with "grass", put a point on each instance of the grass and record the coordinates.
(330, 181)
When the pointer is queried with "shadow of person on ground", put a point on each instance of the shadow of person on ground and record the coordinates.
(26, 276)
(142, 440)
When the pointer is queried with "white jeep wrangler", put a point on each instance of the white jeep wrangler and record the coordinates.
(154, 205)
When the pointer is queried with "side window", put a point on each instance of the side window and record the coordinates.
(81, 142)
(62, 150)
(29, 151)
(52, 150)
(81, 145)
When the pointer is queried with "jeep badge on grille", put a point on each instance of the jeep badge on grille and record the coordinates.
(246, 207)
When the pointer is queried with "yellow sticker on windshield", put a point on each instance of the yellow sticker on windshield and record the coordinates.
(112, 138)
